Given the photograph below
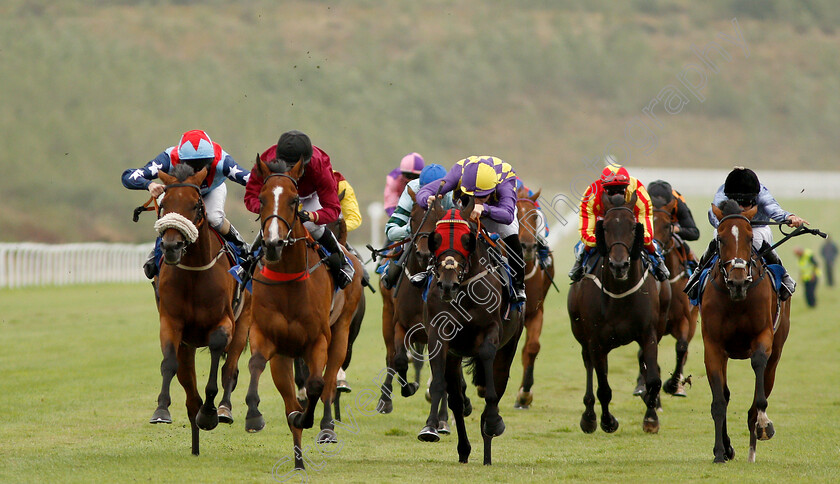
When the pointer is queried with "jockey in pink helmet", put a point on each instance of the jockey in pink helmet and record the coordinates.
(409, 169)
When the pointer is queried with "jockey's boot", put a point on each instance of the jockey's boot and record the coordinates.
(393, 271)
(517, 264)
(660, 270)
(577, 271)
(149, 267)
(544, 253)
(695, 275)
(788, 284)
(234, 238)
(342, 269)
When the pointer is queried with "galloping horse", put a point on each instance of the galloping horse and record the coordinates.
(616, 305)
(402, 322)
(682, 316)
(195, 297)
(296, 312)
(742, 319)
(465, 317)
(537, 283)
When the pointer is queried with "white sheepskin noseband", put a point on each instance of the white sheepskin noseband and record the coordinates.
(178, 222)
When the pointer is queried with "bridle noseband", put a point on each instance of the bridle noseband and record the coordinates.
(201, 216)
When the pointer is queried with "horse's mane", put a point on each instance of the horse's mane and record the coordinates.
(730, 207)
(182, 171)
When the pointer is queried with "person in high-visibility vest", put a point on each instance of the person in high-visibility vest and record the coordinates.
(809, 273)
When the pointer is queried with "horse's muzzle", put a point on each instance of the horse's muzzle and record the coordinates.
(620, 269)
(737, 290)
(173, 251)
(273, 250)
(449, 290)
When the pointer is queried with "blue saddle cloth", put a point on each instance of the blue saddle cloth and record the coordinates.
(776, 272)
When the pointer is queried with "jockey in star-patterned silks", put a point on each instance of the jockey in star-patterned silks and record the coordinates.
(492, 184)
(616, 180)
(196, 149)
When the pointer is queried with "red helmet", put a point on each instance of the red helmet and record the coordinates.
(615, 175)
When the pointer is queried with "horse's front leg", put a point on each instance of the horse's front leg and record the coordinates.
(455, 395)
(530, 350)
(208, 416)
(609, 424)
(335, 357)
(282, 374)
(316, 360)
(589, 420)
(186, 375)
(760, 426)
(715, 362)
(492, 425)
(170, 341)
(401, 343)
(261, 351)
(653, 383)
(230, 370)
(437, 363)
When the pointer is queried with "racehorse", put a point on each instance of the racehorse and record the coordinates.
(537, 283)
(402, 322)
(296, 312)
(682, 316)
(742, 319)
(618, 304)
(195, 304)
(466, 317)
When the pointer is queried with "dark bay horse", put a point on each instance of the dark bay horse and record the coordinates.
(618, 304)
(195, 304)
(537, 284)
(402, 322)
(296, 312)
(682, 316)
(742, 319)
(465, 317)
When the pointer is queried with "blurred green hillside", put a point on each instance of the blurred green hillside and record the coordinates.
(92, 87)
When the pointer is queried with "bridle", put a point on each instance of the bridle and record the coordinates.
(737, 262)
(450, 262)
(618, 242)
(201, 214)
(668, 246)
(288, 239)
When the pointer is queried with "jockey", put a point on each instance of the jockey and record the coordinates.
(742, 186)
(317, 190)
(542, 245)
(395, 182)
(197, 150)
(682, 220)
(616, 180)
(492, 184)
(349, 205)
(398, 228)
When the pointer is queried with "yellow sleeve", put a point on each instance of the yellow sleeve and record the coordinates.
(349, 206)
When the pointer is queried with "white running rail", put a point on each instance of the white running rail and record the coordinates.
(31, 264)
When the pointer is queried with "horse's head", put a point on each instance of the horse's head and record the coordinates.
(279, 202)
(663, 225)
(734, 236)
(423, 225)
(619, 236)
(530, 222)
(452, 242)
(182, 211)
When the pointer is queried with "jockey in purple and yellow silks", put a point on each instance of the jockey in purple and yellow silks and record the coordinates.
(492, 184)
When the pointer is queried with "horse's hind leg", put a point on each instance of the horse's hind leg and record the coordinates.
(653, 383)
(715, 362)
(589, 420)
(529, 356)
(260, 353)
(386, 404)
(437, 364)
(230, 370)
(282, 374)
(501, 374)
(168, 368)
(401, 357)
(186, 375)
(316, 359)
(456, 402)
(674, 386)
(640, 379)
(609, 424)
(301, 375)
(208, 416)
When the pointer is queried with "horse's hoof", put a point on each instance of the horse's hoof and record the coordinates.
(588, 423)
(479, 390)
(640, 390)
(730, 453)
(765, 433)
(295, 419)
(428, 434)
(467, 407)
(495, 429)
(207, 421)
(523, 400)
(410, 389)
(720, 459)
(254, 424)
(161, 415)
(443, 427)
(385, 406)
(225, 415)
(609, 424)
(342, 387)
(327, 436)
(428, 395)
(650, 425)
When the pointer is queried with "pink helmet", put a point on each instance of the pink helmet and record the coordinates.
(412, 163)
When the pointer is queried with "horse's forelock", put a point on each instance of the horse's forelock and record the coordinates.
(729, 207)
(659, 202)
(182, 171)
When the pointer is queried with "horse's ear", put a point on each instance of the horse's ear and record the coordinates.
(468, 241)
(536, 195)
(600, 243)
(262, 167)
(717, 211)
(467, 210)
(412, 194)
(638, 241)
(672, 206)
(297, 171)
(435, 240)
(632, 202)
(751, 212)
(521, 192)
(166, 178)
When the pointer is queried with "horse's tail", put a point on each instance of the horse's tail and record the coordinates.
(473, 367)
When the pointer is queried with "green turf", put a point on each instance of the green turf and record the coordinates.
(80, 377)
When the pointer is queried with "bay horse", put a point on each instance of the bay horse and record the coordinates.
(742, 319)
(195, 304)
(402, 320)
(681, 321)
(296, 312)
(620, 303)
(466, 317)
(537, 284)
